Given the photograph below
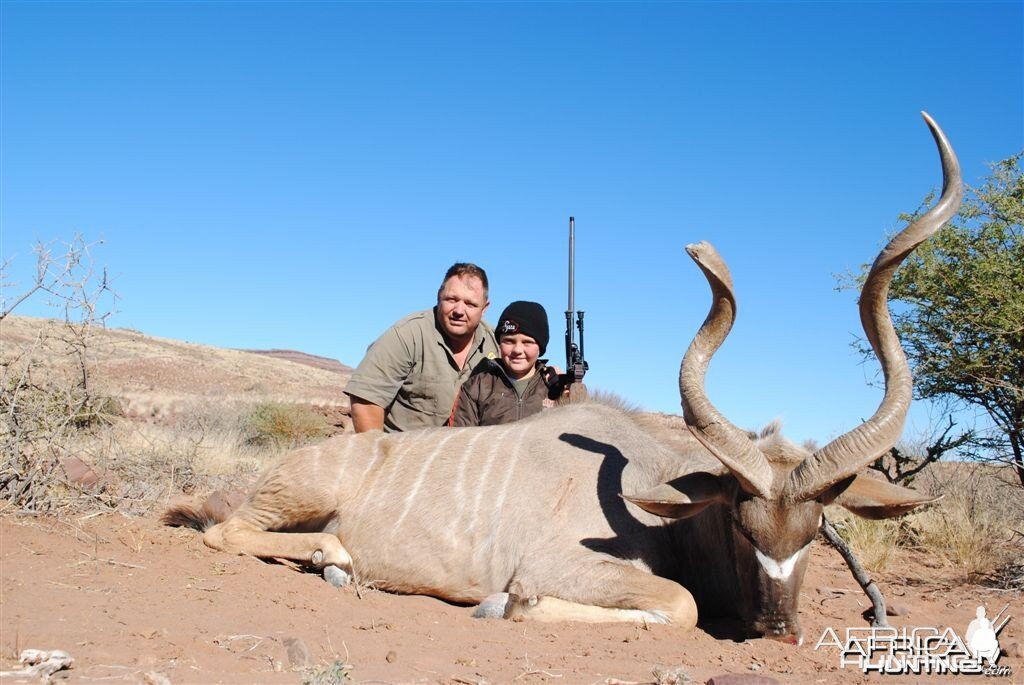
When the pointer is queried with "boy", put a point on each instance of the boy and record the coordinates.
(517, 386)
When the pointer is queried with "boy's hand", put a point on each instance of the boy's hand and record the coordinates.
(558, 383)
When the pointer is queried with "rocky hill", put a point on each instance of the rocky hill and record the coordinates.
(156, 377)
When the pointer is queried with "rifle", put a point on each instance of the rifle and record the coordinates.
(576, 365)
(1003, 624)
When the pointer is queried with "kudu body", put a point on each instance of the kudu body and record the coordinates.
(530, 514)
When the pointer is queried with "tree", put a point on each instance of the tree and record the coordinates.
(960, 313)
(904, 461)
(42, 405)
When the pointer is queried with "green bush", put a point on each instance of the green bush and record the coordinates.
(285, 425)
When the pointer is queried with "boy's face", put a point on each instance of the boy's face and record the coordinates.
(519, 354)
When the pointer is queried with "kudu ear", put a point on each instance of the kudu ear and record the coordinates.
(871, 498)
(683, 497)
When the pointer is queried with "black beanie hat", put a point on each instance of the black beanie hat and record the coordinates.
(528, 318)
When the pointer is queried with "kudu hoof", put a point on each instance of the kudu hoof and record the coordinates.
(494, 606)
(338, 577)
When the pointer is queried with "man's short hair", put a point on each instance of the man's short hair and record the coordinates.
(465, 270)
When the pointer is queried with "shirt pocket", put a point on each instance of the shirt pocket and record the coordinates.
(423, 396)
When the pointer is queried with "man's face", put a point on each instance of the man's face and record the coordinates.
(460, 306)
(519, 353)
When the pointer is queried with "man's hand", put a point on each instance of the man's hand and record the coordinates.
(366, 416)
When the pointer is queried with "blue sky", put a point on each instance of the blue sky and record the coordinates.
(300, 175)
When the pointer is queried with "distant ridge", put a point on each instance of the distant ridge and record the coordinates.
(159, 379)
(313, 360)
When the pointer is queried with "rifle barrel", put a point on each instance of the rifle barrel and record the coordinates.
(1000, 612)
(1001, 625)
(572, 264)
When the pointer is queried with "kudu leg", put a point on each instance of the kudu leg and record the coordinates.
(248, 531)
(628, 595)
(552, 610)
(316, 549)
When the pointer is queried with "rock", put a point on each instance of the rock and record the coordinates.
(391, 656)
(890, 610)
(339, 418)
(298, 653)
(1013, 650)
(79, 473)
(741, 679)
(896, 610)
(41, 664)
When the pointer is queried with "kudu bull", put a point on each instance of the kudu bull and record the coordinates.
(529, 515)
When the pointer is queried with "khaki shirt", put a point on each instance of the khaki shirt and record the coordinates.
(411, 372)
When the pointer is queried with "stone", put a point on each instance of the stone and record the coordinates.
(298, 653)
(741, 679)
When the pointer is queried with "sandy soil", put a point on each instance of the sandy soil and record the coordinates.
(133, 601)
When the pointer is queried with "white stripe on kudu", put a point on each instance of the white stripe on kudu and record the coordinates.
(484, 478)
(410, 499)
(510, 467)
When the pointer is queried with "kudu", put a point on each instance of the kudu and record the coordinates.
(529, 515)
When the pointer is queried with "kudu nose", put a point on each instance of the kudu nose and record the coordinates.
(788, 637)
(781, 631)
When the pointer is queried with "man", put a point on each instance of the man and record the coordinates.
(411, 374)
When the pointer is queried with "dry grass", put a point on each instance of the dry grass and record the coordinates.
(334, 673)
(151, 418)
(141, 466)
(970, 529)
(871, 541)
(670, 675)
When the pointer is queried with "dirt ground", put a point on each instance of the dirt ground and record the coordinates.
(133, 601)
